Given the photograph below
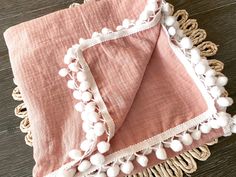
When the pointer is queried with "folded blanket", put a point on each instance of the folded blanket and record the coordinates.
(138, 93)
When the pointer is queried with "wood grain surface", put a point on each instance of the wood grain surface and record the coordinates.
(218, 17)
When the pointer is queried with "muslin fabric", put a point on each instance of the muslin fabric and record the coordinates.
(145, 87)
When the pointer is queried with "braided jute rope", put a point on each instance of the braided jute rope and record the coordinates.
(184, 163)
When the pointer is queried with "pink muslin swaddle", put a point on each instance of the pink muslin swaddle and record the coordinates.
(135, 98)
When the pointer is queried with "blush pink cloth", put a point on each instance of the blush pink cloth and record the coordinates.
(144, 86)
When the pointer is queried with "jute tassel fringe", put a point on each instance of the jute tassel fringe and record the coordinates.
(183, 163)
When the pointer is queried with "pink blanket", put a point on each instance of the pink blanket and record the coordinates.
(138, 93)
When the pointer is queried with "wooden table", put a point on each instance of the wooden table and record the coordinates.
(218, 17)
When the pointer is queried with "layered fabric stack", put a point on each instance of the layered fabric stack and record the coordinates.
(114, 87)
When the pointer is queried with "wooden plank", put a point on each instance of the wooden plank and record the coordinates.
(7, 105)
(221, 162)
(15, 157)
(12, 8)
(198, 7)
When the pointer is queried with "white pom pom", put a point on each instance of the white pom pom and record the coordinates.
(73, 67)
(81, 76)
(172, 31)
(166, 9)
(186, 43)
(224, 101)
(93, 116)
(142, 160)
(234, 119)
(106, 31)
(86, 96)
(224, 114)
(161, 153)
(84, 116)
(223, 119)
(79, 107)
(81, 40)
(67, 59)
(71, 84)
(222, 81)
(210, 81)
(118, 28)
(90, 135)
(195, 55)
(152, 6)
(86, 126)
(75, 154)
(96, 34)
(103, 147)
(216, 91)
(210, 72)
(85, 85)
(149, 11)
(205, 128)
(97, 159)
(187, 139)
(176, 145)
(84, 166)
(72, 52)
(85, 145)
(99, 129)
(233, 128)
(66, 173)
(101, 175)
(196, 134)
(113, 171)
(214, 124)
(91, 106)
(200, 68)
(170, 21)
(126, 23)
(77, 95)
(143, 17)
(63, 72)
(127, 167)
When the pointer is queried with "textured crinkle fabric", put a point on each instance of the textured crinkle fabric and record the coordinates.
(147, 90)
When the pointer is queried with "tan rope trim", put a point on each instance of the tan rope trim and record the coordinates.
(189, 26)
(185, 162)
(198, 36)
(16, 94)
(77, 4)
(181, 16)
(28, 139)
(208, 48)
(202, 153)
(215, 141)
(21, 111)
(216, 65)
(25, 125)
(175, 167)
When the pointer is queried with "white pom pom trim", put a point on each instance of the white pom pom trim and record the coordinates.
(213, 84)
